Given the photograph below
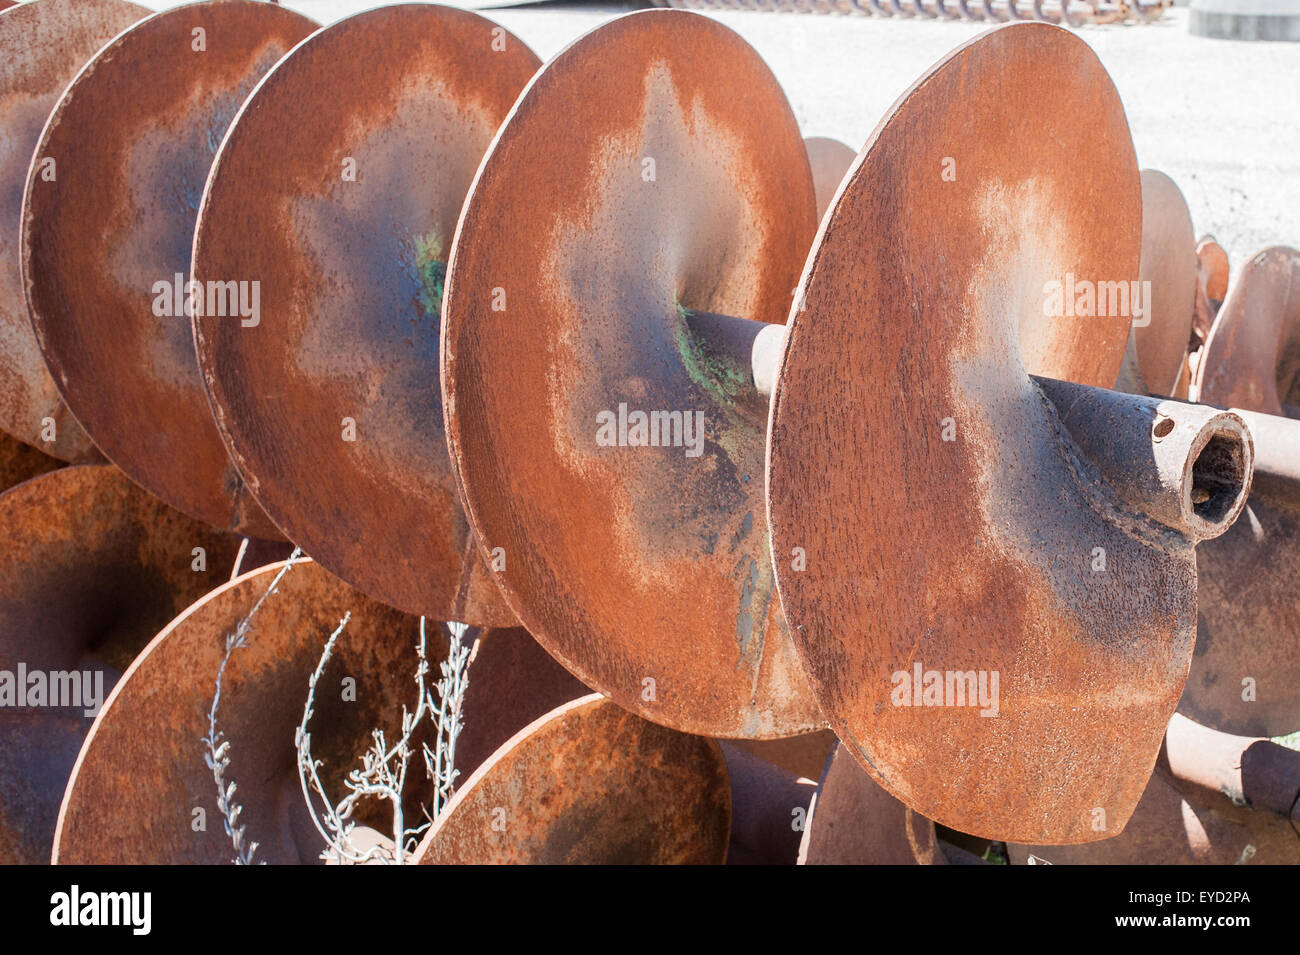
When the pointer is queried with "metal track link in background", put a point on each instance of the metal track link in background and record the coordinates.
(1068, 12)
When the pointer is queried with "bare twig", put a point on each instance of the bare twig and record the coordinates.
(217, 755)
(383, 770)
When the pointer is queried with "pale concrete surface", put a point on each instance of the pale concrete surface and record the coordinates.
(1221, 117)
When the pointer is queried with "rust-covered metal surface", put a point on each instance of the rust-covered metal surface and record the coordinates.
(830, 159)
(853, 821)
(512, 682)
(644, 569)
(589, 783)
(1181, 821)
(19, 461)
(92, 568)
(142, 773)
(803, 755)
(1242, 775)
(769, 808)
(1212, 271)
(104, 244)
(1252, 357)
(42, 47)
(956, 525)
(1170, 264)
(347, 221)
(1245, 675)
(1169, 828)
(143, 760)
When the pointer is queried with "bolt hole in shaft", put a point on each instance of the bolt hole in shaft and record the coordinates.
(1186, 466)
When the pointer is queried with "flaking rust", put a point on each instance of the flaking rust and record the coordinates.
(1094, 658)
(603, 787)
(20, 462)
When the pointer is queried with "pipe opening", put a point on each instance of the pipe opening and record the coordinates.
(1219, 476)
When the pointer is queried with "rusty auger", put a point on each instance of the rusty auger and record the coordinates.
(930, 503)
(160, 710)
(132, 139)
(755, 435)
(1245, 671)
(42, 48)
(354, 216)
(95, 568)
(1249, 611)
(604, 785)
(1073, 13)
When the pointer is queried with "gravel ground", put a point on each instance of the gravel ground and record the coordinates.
(1221, 117)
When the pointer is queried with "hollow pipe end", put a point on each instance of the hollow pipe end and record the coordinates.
(1217, 475)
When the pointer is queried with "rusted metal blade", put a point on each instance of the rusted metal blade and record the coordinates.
(1245, 676)
(954, 527)
(133, 138)
(346, 222)
(830, 159)
(19, 462)
(42, 47)
(853, 821)
(769, 807)
(94, 567)
(803, 755)
(589, 783)
(1169, 264)
(653, 167)
(1170, 827)
(1252, 357)
(1211, 288)
(141, 773)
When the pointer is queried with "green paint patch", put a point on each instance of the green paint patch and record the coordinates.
(996, 853)
(724, 382)
(713, 374)
(432, 269)
(1290, 741)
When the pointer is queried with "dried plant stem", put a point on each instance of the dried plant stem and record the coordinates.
(217, 754)
(383, 771)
